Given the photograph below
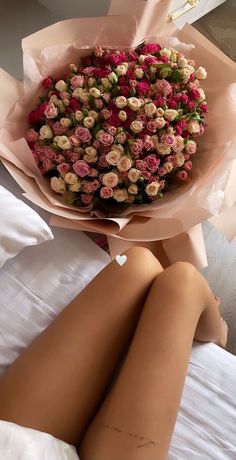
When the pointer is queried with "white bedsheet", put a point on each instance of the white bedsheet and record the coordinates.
(49, 276)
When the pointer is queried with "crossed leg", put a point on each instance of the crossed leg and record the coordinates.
(59, 383)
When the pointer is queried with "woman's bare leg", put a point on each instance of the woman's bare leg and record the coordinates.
(57, 384)
(136, 420)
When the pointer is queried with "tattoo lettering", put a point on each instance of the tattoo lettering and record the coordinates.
(147, 443)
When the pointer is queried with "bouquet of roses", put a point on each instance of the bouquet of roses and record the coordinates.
(120, 127)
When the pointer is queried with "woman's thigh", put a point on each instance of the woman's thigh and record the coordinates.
(57, 384)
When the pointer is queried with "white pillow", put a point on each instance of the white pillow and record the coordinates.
(20, 226)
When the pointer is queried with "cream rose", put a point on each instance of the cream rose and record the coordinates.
(112, 77)
(134, 103)
(160, 112)
(201, 73)
(185, 74)
(88, 122)
(136, 126)
(118, 147)
(110, 179)
(124, 163)
(170, 114)
(163, 149)
(182, 62)
(179, 144)
(133, 189)
(91, 81)
(150, 109)
(134, 175)
(168, 167)
(179, 159)
(152, 189)
(65, 122)
(105, 83)
(193, 127)
(120, 195)
(112, 157)
(165, 52)
(191, 147)
(63, 142)
(61, 85)
(122, 115)
(122, 69)
(75, 187)
(93, 114)
(202, 95)
(58, 184)
(71, 178)
(79, 115)
(160, 122)
(45, 132)
(95, 92)
(139, 73)
(121, 102)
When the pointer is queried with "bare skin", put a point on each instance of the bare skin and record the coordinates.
(60, 383)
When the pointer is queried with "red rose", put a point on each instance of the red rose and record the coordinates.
(47, 82)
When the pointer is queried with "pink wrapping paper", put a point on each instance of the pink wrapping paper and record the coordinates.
(211, 194)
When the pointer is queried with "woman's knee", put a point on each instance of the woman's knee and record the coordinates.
(143, 260)
(179, 276)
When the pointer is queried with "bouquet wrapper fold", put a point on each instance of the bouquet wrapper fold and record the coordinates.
(171, 227)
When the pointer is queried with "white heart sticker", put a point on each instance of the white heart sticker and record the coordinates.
(121, 260)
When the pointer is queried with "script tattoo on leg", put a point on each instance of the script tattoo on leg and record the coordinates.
(146, 442)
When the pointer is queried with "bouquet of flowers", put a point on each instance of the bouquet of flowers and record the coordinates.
(120, 127)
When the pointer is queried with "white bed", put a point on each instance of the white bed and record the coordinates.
(41, 280)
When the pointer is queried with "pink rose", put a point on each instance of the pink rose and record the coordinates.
(152, 126)
(168, 139)
(63, 168)
(146, 174)
(152, 162)
(72, 156)
(105, 138)
(93, 172)
(188, 165)
(31, 135)
(142, 88)
(151, 48)
(58, 129)
(148, 143)
(137, 147)
(111, 130)
(74, 141)
(103, 161)
(77, 81)
(182, 175)
(163, 87)
(86, 199)
(98, 104)
(83, 134)
(106, 97)
(50, 111)
(106, 192)
(46, 165)
(48, 152)
(81, 168)
(47, 82)
(87, 187)
(106, 113)
(191, 147)
(95, 184)
(141, 165)
(184, 98)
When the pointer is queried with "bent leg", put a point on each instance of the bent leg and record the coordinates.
(137, 418)
(58, 382)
